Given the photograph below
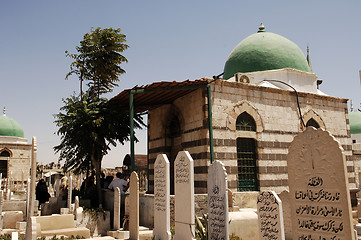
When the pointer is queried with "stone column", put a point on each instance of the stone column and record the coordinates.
(30, 210)
(70, 189)
(134, 207)
(161, 198)
(184, 196)
(117, 205)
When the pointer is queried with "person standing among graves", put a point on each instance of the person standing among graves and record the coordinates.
(41, 192)
(119, 182)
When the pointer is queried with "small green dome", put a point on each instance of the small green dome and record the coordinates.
(10, 128)
(264, 51)
(355, 122)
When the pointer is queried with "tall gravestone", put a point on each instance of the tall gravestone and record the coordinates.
(161, 198)
(30, 210)
(218, 227)
(70, 191)
(134, 207)
(270, 216)
(319, 193)
(184, 196)
(117, 204)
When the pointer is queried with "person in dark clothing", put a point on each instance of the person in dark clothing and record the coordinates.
(41, 191)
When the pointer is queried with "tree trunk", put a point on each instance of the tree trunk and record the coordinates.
(97, 166)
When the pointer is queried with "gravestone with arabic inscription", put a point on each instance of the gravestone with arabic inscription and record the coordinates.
(184, 196)
(161, 198)
(319, 193)
(270, 216)
(218, 227)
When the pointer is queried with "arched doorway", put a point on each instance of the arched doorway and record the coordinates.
(4, 162)
(174, 142)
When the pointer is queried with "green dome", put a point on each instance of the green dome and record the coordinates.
(355, 122)
(10, 128)
(264, 51)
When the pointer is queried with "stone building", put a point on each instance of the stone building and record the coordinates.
(268, 94)
(15, 151)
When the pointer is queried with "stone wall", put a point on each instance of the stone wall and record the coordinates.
(19, 161)
(276, 114)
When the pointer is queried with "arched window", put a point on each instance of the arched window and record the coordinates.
(245, 122)
(312, 123)
(246, 154)
(5, 153)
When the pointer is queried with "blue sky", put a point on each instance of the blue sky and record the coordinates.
(169, 40)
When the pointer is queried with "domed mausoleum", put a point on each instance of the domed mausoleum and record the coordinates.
(264, 51)
(15, 151)
(268, 94)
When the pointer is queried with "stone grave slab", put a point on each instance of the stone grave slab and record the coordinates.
(161, 198)
(184, 196)
(270, 216)
(134, 207)
(319, 192)
(218, 227)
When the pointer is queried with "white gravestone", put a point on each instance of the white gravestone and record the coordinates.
(30, 211)
(134, 207)
(319, 194)
(161, 198)
(218, 227)
(184, 196)
(270, 216)
(70, 191)
(117, 204)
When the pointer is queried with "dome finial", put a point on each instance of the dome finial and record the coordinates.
(351, 107)
(261, 28)
(4, 111)
(308, 58)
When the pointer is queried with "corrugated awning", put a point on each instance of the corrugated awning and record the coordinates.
(158, 93)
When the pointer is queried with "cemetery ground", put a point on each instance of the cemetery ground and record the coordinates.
(317, 205)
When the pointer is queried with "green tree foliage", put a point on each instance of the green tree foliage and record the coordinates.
(98, 59)
(88, 125)
(88, 128)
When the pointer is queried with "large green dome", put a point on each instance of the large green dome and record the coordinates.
(264, 51)
(355, 122)
(10, 128)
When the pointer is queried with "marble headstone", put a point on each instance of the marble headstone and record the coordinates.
(218, 227)
(117, 204)
(319, 193)
(184, 196)
(161, 198)
(270, 216)
(134, 207)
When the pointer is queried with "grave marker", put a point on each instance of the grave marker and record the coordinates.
(117, 203)
(134, 207)
(218, 227)
(70, 191)
(270, 216)
(184, 196)
(30, 210)
(161, 198)
(319, 194)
